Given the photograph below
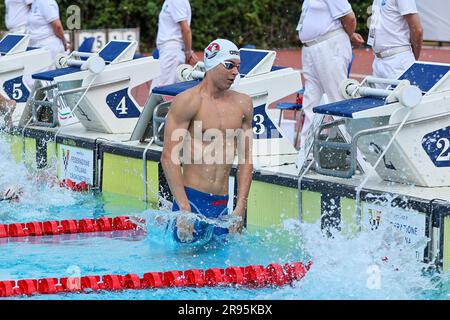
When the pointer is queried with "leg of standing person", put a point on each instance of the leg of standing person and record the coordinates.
(54, 46)
(393, 67)
(336, 55)
(170, 57)
(313, 91)
(335, 70)
(325, 66)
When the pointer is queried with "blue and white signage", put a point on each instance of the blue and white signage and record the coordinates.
(437, 146)
(263, 127)
(16, 89)
(121, 104)
(76, 164)
(409, 223)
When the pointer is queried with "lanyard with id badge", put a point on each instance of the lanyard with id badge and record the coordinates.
(305, 8)
(375, 21)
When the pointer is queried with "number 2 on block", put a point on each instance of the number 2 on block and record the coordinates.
(443, 143)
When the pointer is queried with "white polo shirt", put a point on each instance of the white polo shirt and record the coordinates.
(173, 12)
(320, 17)
(16, 13)
(43, 12)
(389, 28)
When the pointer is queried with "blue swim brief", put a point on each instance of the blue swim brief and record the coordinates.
(209, 205)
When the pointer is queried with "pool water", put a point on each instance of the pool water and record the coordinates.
(344, 267)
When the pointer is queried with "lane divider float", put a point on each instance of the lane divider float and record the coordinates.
(254, 276)
(72, 185)
(50, 228)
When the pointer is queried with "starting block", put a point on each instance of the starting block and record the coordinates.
(420, 152)
(17, 60)
(262, 81)
(97, 86)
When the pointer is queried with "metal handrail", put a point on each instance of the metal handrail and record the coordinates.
(71, 91)
(319, 144)
(352, 146)
(159, 122)
(11, 69)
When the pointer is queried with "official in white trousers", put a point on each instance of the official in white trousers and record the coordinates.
(174, 40)
(171, 55)
(46, 31)
(396, 36)
(45, 27)
(327, 31)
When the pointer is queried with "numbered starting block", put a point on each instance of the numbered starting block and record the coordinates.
(420, 152)
(96, 87)
(262, 81)
(17, 61)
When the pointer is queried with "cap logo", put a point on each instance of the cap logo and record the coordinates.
(212, 50)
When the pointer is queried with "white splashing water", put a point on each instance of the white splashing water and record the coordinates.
(368, 265)
(39, 188)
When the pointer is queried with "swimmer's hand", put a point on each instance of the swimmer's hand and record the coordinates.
(141, 224)
(185, 227)
(238, 224)
(7, 108)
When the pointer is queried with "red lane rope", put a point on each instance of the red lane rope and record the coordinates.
(72, 185)
(46, 228)
(255, 276)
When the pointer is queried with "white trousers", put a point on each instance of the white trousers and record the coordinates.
(53, 44)
(394, 66)
(171, 55)
(325, 66)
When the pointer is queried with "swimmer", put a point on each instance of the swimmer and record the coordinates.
(209, 125)
(11, 193)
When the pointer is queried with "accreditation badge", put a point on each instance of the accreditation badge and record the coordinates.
(374, 23)
(303, 15)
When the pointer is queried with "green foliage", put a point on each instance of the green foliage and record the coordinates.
(264, 23)
(2, 15)
(360, 7)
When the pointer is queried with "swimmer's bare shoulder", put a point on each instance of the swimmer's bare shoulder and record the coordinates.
(244, 102)
(184, 107)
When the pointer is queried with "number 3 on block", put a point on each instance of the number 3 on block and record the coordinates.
(259, 127)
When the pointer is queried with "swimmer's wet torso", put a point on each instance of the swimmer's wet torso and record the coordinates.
(210, 150)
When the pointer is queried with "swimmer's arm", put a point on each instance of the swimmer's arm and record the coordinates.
(245, 159)
(176, 128)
